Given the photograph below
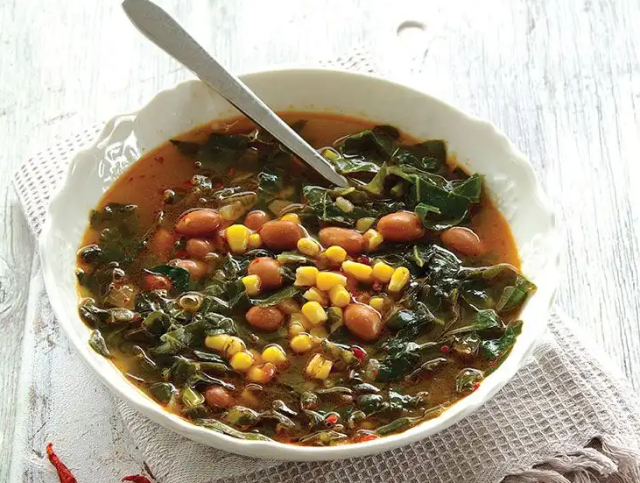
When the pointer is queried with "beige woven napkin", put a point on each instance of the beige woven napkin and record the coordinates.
(565, 417)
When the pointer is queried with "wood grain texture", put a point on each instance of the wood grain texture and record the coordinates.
(560, 77)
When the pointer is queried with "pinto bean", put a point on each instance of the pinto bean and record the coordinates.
(362, 321)
(255, 219)
(199, 247)
(281, 235)
(265, 318)
(199, 223)
(349, 239)
(268, 270)
(151, 281)
(463, 241)
(217, 396)
(196, 268)
(402, 226)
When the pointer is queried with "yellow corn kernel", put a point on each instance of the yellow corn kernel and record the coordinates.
(233, 346)
(376, 303)
(339, 296)
(274, 354)
(252, 284)
(382, 271)
(318, 367)
(238, 238)
(241, 361)
(301, 343)
(359, 271)
(336, 254)
(363, 224)
(319, 332)
(315, 295)
(399, 279)
(217, 342)
(295, 328)
(308, 246)
(327, 280)
(255, 241)
(299, 318)
(261, 374)
(306, 276)
(292, 217)
(257, 357)
(249, 398)
(372, 240)
(289, 306)
(314, 312)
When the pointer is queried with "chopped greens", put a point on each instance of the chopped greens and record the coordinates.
(352, 314)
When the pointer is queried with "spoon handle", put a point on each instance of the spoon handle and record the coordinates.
(159, 27)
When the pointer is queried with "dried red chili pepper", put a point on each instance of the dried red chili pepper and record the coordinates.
(136, 479)
(359, 352)
(362, 437)
(331, 419)
(64, 474)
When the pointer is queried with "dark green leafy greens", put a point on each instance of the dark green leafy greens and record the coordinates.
(452, 324)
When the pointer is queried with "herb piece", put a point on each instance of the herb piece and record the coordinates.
(219, 149)
(216, 425)
(468, 379)
(376, 143)
(486, 321)
(276, 298)
(192, 398)
(118, 226)
(98, 344)
(162, 391)
(514, 295)
(495, 349)
(322, 438)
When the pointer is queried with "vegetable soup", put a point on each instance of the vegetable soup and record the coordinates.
(237, 289)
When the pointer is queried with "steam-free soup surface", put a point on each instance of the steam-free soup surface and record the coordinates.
(238, 290)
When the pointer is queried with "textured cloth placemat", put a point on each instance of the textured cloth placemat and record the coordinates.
(565, 417)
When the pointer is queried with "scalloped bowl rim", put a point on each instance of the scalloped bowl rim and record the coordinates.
(274, 450)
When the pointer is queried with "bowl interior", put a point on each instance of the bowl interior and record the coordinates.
(478, 146)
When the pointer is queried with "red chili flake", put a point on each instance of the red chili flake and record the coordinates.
(64, 474)
(475, 386)
(219, 185)
(181, 254)
(359, 352)
(136, 479)
(493, 363)
(331, 419)
(364, 259)
(445, 349)
(362, 437)
(232, 171)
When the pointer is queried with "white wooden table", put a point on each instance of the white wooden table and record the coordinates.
(561, 77)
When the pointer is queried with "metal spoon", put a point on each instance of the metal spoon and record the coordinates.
(159, 27)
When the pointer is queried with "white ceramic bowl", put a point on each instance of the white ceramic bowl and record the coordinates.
(478, 145)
